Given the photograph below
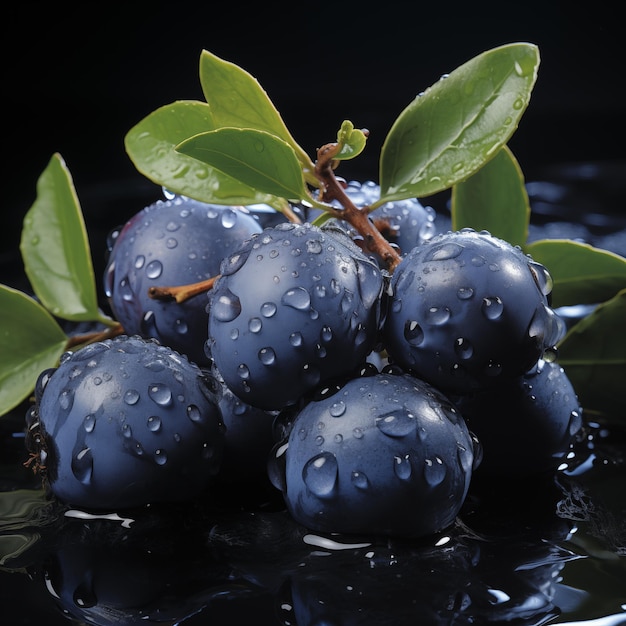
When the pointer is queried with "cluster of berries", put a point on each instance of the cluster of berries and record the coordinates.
(368, 399)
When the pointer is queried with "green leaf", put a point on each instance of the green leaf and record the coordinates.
(582, 274)
(151, 143)
(260, 160)
(55, 248)
(593, 354)
(494, 199)
(30, 341)
(351, 140)
(237, 100)
(458, 124)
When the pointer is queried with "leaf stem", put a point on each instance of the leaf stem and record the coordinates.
(357, 217)
(180, 293)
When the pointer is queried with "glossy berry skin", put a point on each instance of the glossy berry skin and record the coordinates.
(126, 422)
(295, 306)
(171, 242)
(387, 454)
(526, 425)
(468, 310)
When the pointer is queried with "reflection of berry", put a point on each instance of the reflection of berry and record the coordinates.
(386, 454)
(170, 243)
(126, 422)
(526, 425)
(468, 310)
(293, 307)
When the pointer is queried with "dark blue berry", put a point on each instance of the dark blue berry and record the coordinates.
(127, 422)
(295, 306)
(387, 454)
(467, 310)
(526, 425)
(171, 243)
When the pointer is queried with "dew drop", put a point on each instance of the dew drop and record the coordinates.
(194, 414)
(463, 348)
(131, 397)
(465, 293)
(154, 269)
(160, 457)
(438, 315)
(444, 252)
(160, 393)
(402, 467)
(125, 290)
(297, 298)
(268, 309)
(82, 466)
(89, 423)
(267, 356)
(226, 307)
(434, 471)
(492, 308)
(255, 325)
(243, 371)
(229, 218)
(295, 339)
(396, 424)
(154, 423)
(413, 333)
(66, 399)
(359, 480)
(338, 408)
(320, 474)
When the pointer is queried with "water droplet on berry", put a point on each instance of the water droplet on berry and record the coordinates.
(267, 356)
(268, 309)
(194, 414)
(66, 399)
(295, 339)
(492, 308)
(161, 394)
(226, 307)
(255, 325)
(434, 471)
(444, 252)
(229, 218)
(360, 480)
(125, 290)
(402, 467)
(338, 408)
(413, 333)
(438, 315)
(154, 423)
(89, 423)
(320, 474)
(297, 298)
(396, 424)
(465, 293)
(82, 466)
(154, 269)
(463, 348)
(131, 397)
(160, 457)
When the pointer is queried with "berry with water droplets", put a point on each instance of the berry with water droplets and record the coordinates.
(386, 454)
(126, 422)
(467, 310)
(526, 425)
(294, 307)
(171, 243)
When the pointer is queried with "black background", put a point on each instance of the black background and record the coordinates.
(77, 77)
